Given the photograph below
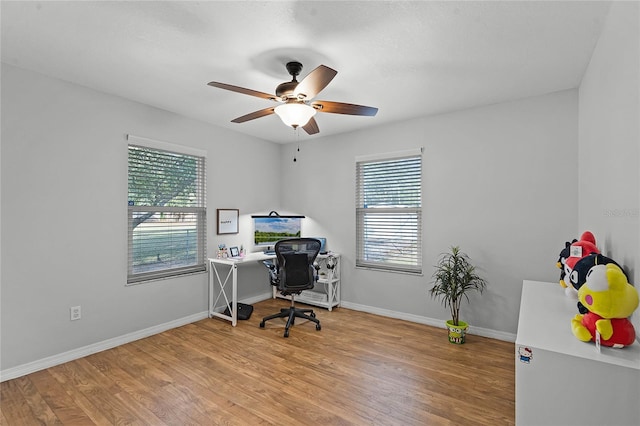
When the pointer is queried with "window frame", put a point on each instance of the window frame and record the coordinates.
(407, 217)
(199, 212)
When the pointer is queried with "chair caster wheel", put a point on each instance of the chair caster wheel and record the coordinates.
(286, 333)
(318, 327)
(312, 314)
(262, 324)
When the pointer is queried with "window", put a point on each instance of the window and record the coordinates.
(167, 210)
(389, 212)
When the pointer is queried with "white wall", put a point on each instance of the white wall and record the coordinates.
(609, 123)
(499, 181)
(64, 198)
(531, 175)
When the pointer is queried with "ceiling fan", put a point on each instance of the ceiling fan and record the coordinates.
(296, 107)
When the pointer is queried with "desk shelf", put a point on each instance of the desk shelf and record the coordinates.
(326, 293)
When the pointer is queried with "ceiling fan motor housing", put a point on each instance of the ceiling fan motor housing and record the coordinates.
(285, 90)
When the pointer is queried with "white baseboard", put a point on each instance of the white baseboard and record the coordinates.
(51, 361)
(258, 298)
(484, 332)
(42, 364)
(248, 301)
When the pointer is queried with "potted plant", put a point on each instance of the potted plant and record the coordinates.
(453, 278)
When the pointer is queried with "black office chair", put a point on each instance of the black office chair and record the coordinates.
(292, 273)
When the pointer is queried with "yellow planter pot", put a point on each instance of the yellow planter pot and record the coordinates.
(458, 332)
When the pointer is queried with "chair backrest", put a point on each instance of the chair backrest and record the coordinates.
(295, 258)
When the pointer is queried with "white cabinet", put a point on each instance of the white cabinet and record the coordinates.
(565, 381)
(326, 292)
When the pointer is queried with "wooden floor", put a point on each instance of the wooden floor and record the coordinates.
(360, 369)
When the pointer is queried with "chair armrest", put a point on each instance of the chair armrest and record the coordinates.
(269, 264)
(273, 271)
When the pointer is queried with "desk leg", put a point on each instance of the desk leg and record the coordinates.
(234, 300)
(231, 273)
(210, 296)
(331, 289)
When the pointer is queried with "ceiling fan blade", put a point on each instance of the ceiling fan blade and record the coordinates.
(311, 127)
(242, 90)
(342, 108)
(254, 115)
(314, 82)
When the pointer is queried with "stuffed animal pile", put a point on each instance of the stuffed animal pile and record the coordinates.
(606, 299)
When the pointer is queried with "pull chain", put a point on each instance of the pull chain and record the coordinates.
(298, 142)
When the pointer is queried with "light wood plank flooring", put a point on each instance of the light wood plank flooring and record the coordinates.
(360, 369)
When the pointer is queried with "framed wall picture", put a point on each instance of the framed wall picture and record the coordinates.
(228, 221)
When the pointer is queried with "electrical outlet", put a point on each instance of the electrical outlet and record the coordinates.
(76, 313)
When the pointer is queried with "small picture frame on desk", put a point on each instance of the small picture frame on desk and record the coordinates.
(234, 252)
(228, 221)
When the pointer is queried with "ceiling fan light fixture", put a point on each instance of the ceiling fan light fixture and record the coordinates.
(295, 114)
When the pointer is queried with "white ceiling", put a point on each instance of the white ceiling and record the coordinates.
(409, 59)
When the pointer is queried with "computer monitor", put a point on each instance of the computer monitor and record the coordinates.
(268, 230)
(323, 244)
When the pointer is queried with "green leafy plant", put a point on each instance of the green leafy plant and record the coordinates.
(453, 278)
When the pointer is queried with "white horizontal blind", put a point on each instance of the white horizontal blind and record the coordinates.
(166, 213)
(389, 214)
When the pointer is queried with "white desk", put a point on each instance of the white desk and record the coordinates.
(224, 273)
(223, 279)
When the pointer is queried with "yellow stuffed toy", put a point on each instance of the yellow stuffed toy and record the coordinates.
(610, 300)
